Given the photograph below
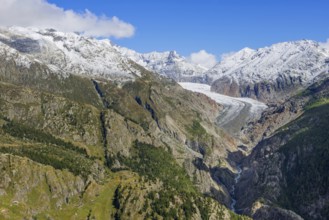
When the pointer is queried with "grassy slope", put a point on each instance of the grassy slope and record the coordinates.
(96, 201)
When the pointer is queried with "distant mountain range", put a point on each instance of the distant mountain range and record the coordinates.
(168, 64)
(265, 74)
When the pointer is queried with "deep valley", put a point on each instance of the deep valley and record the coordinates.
(91, 130)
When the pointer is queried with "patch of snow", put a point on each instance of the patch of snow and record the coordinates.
(11, 54)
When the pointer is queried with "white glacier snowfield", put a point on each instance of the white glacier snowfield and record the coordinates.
(236, 112)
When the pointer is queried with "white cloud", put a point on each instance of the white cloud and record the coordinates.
(203, 58)
(41, 14)
(325, 44)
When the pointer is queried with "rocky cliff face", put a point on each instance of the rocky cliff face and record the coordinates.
(286, 169)
(280, 114)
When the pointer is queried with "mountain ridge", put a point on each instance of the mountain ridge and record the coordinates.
(168, 63)
(66, 53)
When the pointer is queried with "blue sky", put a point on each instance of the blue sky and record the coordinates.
(217, 26)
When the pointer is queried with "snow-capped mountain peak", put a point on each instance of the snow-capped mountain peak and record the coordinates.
(65, 53)
(241, 54)
(174, 55)
(304, 58)
(168, 63)
(268, 71)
